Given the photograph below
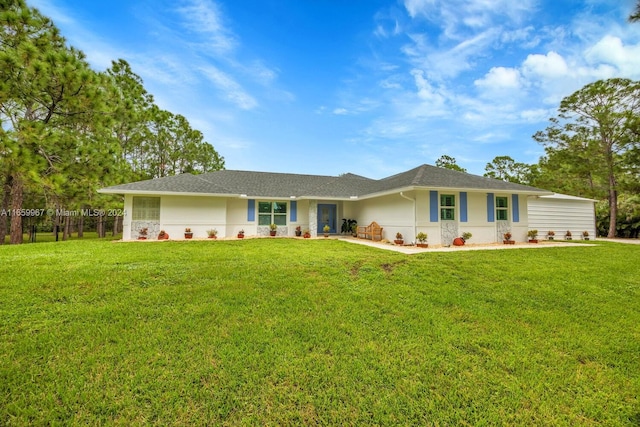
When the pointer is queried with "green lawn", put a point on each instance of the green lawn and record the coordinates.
(290, 332)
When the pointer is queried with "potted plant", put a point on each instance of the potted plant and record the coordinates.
(567, 235)
(507, 239)
(213, 233)
(399, 239)
(354, 229)
(307, 234)
(460, 241)
(326, 230)
(298, 231)
(188, 233)
(422, 240)
(273, 229)
(163, 235)
(550, 234)
(142, 233)
(241, 234)
(585, 235)
(533, 236)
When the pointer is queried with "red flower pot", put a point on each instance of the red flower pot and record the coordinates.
(458, 241)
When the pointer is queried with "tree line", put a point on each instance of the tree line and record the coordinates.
(67, 130)
(592, 150)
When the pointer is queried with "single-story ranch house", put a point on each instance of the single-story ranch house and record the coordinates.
(440, 202)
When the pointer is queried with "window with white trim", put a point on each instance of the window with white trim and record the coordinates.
(272, 213)
(447, 207)
(502, 208)
(146, 209)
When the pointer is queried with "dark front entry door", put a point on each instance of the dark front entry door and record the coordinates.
(327, 216)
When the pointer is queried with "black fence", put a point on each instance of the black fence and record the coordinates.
(54, 227)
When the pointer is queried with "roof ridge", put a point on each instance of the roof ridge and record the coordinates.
(201, 177)
(271, 173)
(416, 179)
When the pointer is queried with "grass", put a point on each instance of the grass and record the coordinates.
(289, 332)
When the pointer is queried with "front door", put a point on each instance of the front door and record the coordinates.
(327, 216)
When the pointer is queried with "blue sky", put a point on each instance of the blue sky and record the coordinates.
(370, 87)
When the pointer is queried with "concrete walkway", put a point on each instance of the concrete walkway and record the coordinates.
(467, 247)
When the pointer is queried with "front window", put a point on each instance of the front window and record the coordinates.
(502, 208)
(447, 207)
(146, 209)
(272, 213)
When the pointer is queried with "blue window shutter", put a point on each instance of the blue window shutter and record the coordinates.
(251, 210)
(433, 206)
(463, 206)
(293, 205)
(515, 206)
(490, 209)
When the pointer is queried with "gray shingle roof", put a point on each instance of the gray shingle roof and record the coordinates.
(435, 177)
(183, 183)
(284, 185)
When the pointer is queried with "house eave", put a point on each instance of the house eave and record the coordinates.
(196, 194)
(558, 196)
(452, 189)
(351, 198)
(491, 190)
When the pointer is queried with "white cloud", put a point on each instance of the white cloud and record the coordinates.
(257, 71)
(419, 7)
(549, 66)
(215, 50)
(386, 31)
(448, 62)
(167, 69)
(204, 17)
(612, 51)
(360, 106)
(537, 115)
(426, 93)
(491, 137)
(390, 83)
(231, 89)
(499, 79)
(526, 37)
(476, 42)
(457, 16)
(389, 128)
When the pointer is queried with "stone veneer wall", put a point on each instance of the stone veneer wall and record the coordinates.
(152, 232)
(264, 230)
(313, 218)
(503, 227)
(449, 231)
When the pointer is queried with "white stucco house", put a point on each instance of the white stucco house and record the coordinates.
(440, 202)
